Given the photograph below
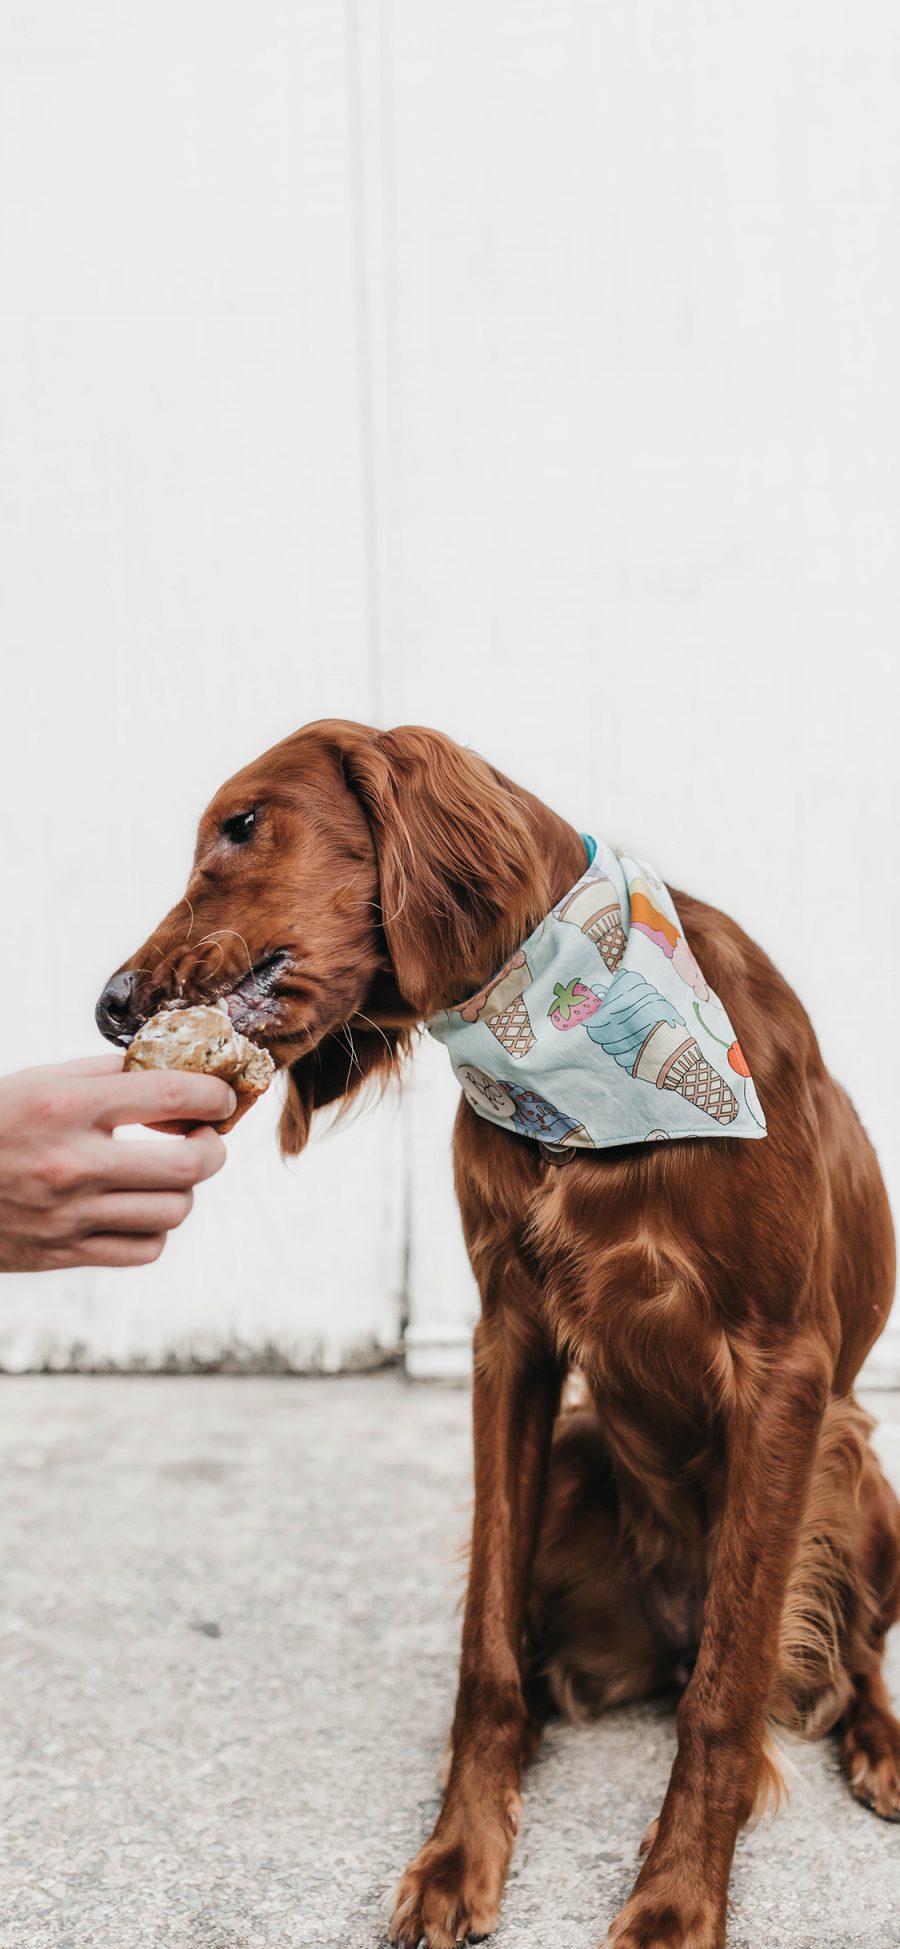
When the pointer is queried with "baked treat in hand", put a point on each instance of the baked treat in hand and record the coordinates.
(206, 1040)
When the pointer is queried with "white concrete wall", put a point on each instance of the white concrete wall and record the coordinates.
(184, 545)
(528, 369)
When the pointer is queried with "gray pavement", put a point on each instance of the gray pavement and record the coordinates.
(228, 1641)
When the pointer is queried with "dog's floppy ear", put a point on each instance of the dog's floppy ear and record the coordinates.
(459, 872)
(333, 1072)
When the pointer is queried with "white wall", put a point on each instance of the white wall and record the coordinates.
(185, 580)
(528, 369)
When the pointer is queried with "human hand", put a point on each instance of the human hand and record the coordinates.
(69, 1193)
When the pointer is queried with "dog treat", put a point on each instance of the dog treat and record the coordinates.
(204, 1040)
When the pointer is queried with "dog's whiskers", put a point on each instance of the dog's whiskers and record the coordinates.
(355, 1063)
(360, 1017)
(238, 936)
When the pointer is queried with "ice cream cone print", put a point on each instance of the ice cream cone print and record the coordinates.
(513, 1028)
(648, 919)
(501, 1008)
(672, 1060)
(646, 1035)
(736, 1061)
(594, 907)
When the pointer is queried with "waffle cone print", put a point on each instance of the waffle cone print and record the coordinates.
(513, 1028)
(594, 907)
(686, 1070)
(500, 1006)
(646, 1035)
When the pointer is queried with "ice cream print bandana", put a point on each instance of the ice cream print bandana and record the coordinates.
(601, 1029)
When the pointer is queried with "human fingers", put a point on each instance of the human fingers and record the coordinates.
(176, 1165)
(206, 1153)
(162, 1096)
(104, 1063)
(53, 1089)
(117, 1249)
(133, 1211)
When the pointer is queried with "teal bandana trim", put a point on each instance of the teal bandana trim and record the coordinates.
(601, 1030)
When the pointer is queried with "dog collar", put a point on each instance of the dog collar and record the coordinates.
(601, 1029)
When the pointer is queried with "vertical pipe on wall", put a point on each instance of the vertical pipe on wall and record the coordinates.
(370, 121)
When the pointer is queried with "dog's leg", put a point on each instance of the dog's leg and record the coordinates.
(679, 1899)
(452, 1889)
(870, 1748)
(842, 1599)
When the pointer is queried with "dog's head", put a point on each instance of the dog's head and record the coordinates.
(345, 885)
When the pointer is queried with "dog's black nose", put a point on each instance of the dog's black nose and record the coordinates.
(114, 1014)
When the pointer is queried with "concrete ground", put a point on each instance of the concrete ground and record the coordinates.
(228, 1643)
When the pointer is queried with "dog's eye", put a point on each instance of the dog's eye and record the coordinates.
(240, 828)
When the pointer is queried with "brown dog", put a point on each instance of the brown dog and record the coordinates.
(716, 1506)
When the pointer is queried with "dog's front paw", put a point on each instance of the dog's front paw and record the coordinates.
(664, 1913)
(871, 1759)
(451, 1892)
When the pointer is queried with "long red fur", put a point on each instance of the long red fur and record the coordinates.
(709, 1514)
